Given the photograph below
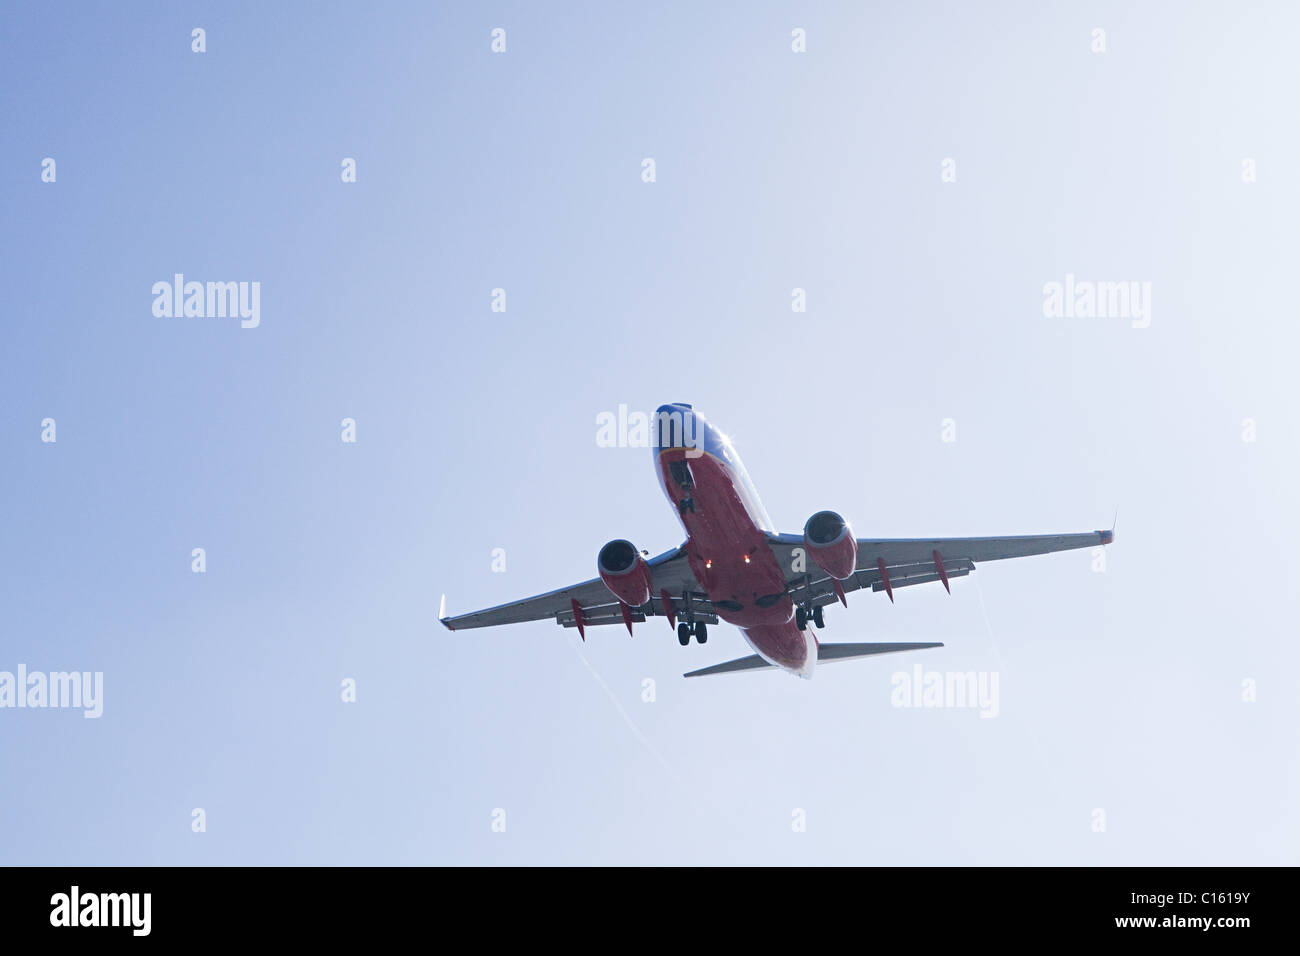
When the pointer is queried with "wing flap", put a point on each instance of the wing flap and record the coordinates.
(918, 575)
(596, 615)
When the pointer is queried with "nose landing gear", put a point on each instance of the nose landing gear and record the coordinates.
(683, 479)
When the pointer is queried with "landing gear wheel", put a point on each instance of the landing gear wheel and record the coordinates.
(701, 632)
(817, 617)
(685, 505)
(683, 633)
(800, 619)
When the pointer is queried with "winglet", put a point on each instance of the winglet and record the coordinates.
(1108, 536)
(442, 613)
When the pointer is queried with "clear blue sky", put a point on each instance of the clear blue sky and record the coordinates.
(476, 429)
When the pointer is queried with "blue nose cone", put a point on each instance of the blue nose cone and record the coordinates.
(677, 426)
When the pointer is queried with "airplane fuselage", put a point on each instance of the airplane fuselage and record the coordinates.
(727, 544)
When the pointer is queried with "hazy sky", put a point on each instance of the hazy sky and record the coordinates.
(1126, 690)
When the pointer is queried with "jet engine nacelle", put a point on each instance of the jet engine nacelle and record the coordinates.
(830, 543)
(624, 572)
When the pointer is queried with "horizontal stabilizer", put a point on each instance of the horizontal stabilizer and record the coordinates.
(825, 654)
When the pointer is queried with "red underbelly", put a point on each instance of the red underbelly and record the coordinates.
(727, 550)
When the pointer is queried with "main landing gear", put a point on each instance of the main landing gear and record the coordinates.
(685, 630)
(802, 617)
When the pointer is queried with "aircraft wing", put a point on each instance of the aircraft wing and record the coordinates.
(887, 563)
(669, 572)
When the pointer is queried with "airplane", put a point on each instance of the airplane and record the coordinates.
(736, 568)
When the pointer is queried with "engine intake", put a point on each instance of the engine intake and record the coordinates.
(625, 572)
(830, 543)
